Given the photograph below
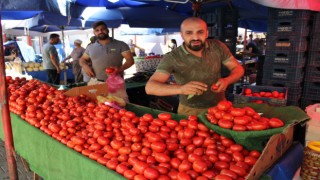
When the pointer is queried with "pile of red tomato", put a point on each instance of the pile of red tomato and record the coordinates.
(273, 94)
(240, 119)
(135, 147)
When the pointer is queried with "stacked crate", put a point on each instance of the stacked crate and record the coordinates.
(286, 51)
(311, 90)
(223, 25)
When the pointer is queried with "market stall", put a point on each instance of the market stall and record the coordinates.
(42, 75)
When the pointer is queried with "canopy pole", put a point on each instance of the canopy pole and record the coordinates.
(6, 120)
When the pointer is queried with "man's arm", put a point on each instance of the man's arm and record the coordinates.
(85, 66)
(157, 86)
(236, 72)
(127, 55)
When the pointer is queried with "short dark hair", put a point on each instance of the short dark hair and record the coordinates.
(99, 23)
(54, 35)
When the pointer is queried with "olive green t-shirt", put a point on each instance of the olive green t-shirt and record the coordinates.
(187, 67)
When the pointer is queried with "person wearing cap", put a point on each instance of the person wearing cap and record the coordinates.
(104, 53)
(75, 55)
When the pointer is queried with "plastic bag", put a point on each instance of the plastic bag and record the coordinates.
(116, 86)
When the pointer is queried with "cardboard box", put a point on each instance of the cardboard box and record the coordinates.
(277, 145)
(241, 98)
(91, 91)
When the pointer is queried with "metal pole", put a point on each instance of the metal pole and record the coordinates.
(6, 120)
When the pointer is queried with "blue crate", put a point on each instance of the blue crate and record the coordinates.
(289, 13)
(287, 43)
(290, 73)
(289, 26)
(291, 58)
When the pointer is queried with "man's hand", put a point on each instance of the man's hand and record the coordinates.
(193, 87)
(88, 71)
(58, 70)
(222, 84)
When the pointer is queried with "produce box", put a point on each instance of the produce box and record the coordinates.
(242, 98)
(90, 91)
(257, 140)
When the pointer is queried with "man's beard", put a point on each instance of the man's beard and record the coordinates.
(103, 36)
(195, 47)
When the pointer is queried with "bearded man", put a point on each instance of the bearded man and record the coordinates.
(105, 53)
(196, 66)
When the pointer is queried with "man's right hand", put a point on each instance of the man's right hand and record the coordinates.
(88, 71)
(58, 70)
(194, 87)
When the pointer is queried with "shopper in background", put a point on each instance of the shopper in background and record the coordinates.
(196, 66)
(133, 47)
(17, 62)
(51, 60)
(173, 44)
(104, 53)
(76, 55)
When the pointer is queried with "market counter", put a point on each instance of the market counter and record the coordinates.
(51, 159)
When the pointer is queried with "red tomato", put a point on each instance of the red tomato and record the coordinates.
(250, 160)
(129, 174)
(238, 127)
(224, 105)
(214, 87)
(225, 124)
(221, 165)
(175, 163)
(229, 173)
(183, 176)
(236, 147)
(247, 91)
(257, 126)
(275, 123)
(255, 153)
(222, 177)
(237, 112)
(164, 116)
(237, 156)
(151, 173)
(109, 70)
(238, 170)
(224, 157)
(199, 166)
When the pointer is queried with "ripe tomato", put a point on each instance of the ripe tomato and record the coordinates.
(237, 112)
(275, 123)
(257, 126)
(237, 156)
(109, 70)
(222, 177)
(214, 87)
(250, 160)
(247, 91)
(238, 127)
(164, 116)
(129, 174)
(229, 173)
(224, 105)
(238, 170)
(199, 166)
(151, 173)
(225, 124)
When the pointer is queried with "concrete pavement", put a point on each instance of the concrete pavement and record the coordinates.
(23, 173)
